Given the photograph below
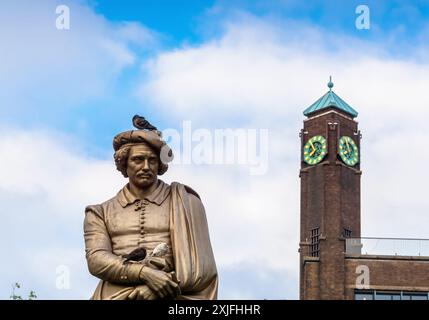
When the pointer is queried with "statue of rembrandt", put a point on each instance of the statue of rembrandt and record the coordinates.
(151, 240)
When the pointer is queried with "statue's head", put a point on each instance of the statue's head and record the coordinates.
(141, 155)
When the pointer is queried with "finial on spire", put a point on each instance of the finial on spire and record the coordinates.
(330, 83)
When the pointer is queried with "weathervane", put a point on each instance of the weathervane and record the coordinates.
(330, 83)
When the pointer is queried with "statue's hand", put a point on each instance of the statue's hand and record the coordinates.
(160, 282)
(142, 292)
(158, 263)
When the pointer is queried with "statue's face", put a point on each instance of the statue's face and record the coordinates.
(142, 166)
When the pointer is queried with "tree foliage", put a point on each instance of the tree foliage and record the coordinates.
(14, 296)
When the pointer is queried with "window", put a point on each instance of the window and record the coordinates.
(315, 241)
(347, 233)
(387, 296)
(390, 295)
(364, 296)
(415, 296)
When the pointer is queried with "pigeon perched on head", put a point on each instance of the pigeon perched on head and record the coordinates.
(135, 255)
(141, 123)
(160, 250)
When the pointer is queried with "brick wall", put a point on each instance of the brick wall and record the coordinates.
(394, 273)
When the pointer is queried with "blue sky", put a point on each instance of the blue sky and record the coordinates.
(218, 64)
(396, 27)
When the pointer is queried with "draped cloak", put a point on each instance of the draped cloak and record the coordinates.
(192, 255)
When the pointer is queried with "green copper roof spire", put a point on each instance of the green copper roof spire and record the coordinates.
(330, 100)
(330, 84)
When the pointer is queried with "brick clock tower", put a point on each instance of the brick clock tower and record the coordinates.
(330, 195)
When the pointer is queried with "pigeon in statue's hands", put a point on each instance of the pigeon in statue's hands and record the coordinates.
(160, 250)
(140, 253)
(135, 255)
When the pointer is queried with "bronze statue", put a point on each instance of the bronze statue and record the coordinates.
(151, 240)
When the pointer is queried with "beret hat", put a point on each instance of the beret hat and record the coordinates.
(152, 138)
(145, 133)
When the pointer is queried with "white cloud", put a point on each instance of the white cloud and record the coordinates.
(44, 68)
(45, 184)
(259, 70)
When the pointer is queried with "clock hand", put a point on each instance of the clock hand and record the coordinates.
(314, 149)
(348, 146)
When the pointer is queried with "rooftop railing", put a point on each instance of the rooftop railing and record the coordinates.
(388, 246)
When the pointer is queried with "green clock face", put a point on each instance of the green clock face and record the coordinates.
(348, 151)
(315, 150)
